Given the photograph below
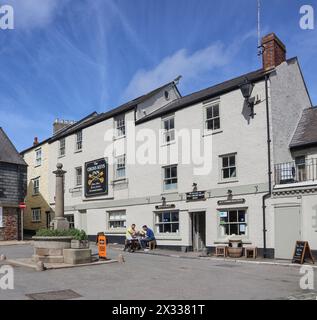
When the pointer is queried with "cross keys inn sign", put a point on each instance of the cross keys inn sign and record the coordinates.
(96, 178)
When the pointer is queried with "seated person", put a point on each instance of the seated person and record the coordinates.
(130, 235)
(149, 236)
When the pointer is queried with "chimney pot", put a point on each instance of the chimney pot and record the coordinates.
(274, 51)
(36, 141)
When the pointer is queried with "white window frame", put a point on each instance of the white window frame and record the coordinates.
(36, 187)
(62, 147)
(164, 223)
(120, 217)
(36, 215)
(170, 178)
(168, 133)
(38, 157)
(221, 229)
(120, 127)
(78, 178)
(79, 141)
(213, 118)
(229, 167)
(120, 166)
(1, 217)
(71, 220)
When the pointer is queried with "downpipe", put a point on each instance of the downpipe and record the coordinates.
(269, 141)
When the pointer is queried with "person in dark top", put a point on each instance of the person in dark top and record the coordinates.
(149, 236)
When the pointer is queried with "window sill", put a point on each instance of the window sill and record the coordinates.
(228, 181)
(35, 195)
(60, 157)
(116, 232)
(37, 222)
(226, 241)
(119, 138)
(167, 144)
(168, 237)
(170, 192)
(119, 181)
(212, 133)
(78, 151)
(37, 166)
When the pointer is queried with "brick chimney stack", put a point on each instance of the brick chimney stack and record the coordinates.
(35, 142)
(61, 124)
(274, 51)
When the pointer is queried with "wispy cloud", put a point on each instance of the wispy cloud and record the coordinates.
(189, 65)
(35, 13)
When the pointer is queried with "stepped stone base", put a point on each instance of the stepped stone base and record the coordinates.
(77, 256)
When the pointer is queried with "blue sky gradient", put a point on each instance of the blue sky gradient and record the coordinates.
(68, 58)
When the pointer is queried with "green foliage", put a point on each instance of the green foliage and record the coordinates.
(75, 233)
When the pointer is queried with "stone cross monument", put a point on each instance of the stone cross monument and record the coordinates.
(59, 222)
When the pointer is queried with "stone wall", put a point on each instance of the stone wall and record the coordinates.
(10, 230)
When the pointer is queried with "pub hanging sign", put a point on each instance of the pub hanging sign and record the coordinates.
(96, 178)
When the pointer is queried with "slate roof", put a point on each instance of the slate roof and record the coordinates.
(8, 152)
(109, 114)
(306, 131)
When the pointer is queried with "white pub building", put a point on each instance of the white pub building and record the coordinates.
(256, 178)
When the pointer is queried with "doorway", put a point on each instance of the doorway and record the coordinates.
(287, 231)
(198, 231)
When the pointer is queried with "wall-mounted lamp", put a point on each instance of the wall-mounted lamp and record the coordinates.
(246, 90)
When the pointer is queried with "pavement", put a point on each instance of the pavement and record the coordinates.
(157, 277)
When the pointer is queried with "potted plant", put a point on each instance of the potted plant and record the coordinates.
(80, 239)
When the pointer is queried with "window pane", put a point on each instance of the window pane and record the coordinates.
(233, 216)
(242, 229)
(216, 124)
(210, 125)
(241, 215)
(215, 111)
(174, 172)
(166, 217)
(160, 217)
(172, 123)
(175, 227)
(167, 228)
(175, 217)
(234, 229)
(232, 161)
(233, 172)
(225, 162)
(209, 113)
(226, 174)
(161, 228)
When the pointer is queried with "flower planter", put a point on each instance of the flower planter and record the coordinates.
(80, 244)
(235, 252)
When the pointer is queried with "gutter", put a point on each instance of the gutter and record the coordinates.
(269, 156)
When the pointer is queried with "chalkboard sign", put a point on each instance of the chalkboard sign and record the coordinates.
(302, 252)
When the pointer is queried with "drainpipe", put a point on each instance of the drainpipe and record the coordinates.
(269, 141)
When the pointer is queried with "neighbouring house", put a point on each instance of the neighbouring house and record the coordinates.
(295, 190)
(250, 120)
(38, 213)
(13, 171)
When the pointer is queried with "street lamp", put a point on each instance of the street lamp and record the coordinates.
(246, 90)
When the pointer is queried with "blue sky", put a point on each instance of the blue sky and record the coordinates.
(68, 58)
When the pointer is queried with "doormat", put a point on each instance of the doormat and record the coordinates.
(54, 295)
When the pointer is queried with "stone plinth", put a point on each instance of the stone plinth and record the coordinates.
(77, 256)
(50, 249)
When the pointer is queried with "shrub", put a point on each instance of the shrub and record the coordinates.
(75, 233)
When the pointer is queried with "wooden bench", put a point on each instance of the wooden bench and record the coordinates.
(221, 251)
(251, 252)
